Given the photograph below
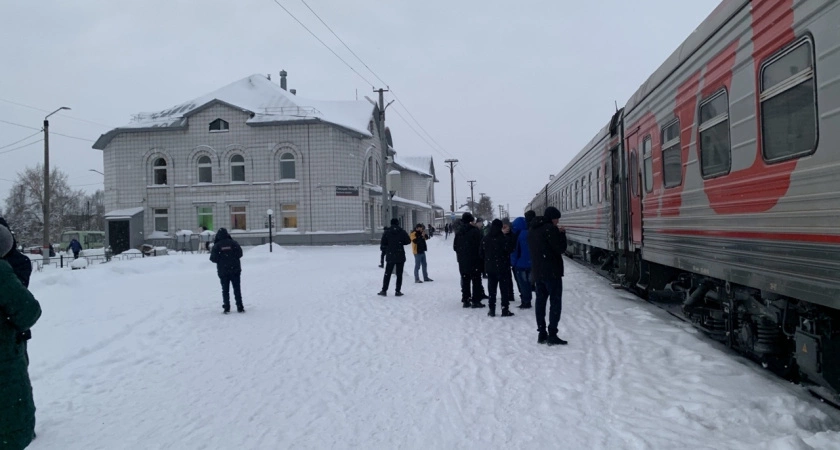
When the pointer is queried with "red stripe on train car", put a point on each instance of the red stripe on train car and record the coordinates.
(793, 237)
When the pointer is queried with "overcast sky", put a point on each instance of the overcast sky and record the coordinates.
(511, 89)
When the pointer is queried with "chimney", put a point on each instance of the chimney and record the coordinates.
(283, 79)
(293, 91)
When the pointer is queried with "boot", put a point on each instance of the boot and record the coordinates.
(382, 293)
(240, 309)
(466, 303)
(492, 312)
(524, 305)
(554, 340)
(542, 337)
(477, 304)
(428, 279)
(506, 312)
(398, 294)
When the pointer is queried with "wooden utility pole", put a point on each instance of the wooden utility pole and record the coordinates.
(451, 163)
(472, 196)
(383, 142)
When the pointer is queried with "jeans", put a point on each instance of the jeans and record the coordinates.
(389, 267)
(523, 276)
(420, 261)
(505, 283)
(551, 290)
(227, 279)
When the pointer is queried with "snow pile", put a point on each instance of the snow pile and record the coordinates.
(80, 263)
(136, 354)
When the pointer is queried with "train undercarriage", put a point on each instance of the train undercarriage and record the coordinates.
(796, 339)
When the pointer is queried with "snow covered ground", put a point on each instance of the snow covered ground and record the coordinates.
(136, 354)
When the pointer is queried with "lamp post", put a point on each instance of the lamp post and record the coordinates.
(270, 213)
(45, 251)
(94, 170)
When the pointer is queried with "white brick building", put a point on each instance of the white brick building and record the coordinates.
(224, 159)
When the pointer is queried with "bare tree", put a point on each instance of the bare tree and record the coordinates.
(25, 204)
(484, 208)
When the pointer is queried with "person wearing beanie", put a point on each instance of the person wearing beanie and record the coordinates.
(467, 244)
(19, 311)
(495, 250)
(530, 215)
(394, 241)
(547, 243)
(226, 254)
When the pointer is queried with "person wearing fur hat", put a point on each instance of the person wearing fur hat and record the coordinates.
(467, 245)
(18, 312)
(547, 243)
(495, 250)
(226, 254)
(394, 241)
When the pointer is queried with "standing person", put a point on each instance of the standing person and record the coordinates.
(19, 262)
(467, 245)
(19, 311)
(547, 243)
(226, 254)
(521, 261)
(446, 231)
(418, 247)
(495, 249)
(393, 241)
(75, 247)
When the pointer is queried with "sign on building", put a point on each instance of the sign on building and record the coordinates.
(346, 191)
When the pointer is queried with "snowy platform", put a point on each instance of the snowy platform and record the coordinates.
(136, 354)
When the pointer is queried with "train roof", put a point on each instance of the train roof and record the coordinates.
(701, 34)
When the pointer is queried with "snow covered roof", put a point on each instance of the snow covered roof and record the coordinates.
(266, 101)
(423, 165)
(124, 213)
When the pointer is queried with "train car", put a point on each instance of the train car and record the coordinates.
(725, 187)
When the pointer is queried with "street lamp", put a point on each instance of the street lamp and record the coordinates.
(270, 213)
(94, 170)
(45, 251)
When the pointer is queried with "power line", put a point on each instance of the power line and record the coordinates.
(63, 115)
(19, 125)
(16, 142)
(323, 43)
(22, 146)
(52, 132)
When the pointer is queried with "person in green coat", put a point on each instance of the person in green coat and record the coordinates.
(18, 312)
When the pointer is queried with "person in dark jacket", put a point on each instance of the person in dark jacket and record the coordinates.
(394, 241)
(520, 259)
(495, 250)
(75, 247)
(382, 250)
(467, 245)
(23, 270)
(418, 247)
(226, 254)
(547, 243)
(18, 312)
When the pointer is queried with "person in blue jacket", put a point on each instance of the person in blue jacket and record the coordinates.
(75, 247)
(226, 254)
(520, 259)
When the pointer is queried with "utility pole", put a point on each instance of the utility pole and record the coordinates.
(451, 163)
(45, 251)
(472, 196)
(383, 141)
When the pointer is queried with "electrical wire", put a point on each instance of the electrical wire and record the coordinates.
(17, 142)
(22, 146)
(62, 115)
(19, 125)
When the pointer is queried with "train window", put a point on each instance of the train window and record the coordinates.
(598, 178)
(715, 148)
(577, 203)
(789, 103)
(582, 190)
(633, 173)
(589, 189)
(648, 161)
(607, 184)
(671, 155)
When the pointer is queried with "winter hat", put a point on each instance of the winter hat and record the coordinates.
(467, 218)
(496, 223)
(529, 215)
(551, 213)
(7, 241)
(395, 222)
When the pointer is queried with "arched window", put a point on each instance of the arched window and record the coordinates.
(378, 174)
(205, 170)
(160, 171)
(219, 125)
(287, 166)
(237, 168)
(369, 174)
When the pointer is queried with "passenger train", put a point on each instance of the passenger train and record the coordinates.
(717, 185)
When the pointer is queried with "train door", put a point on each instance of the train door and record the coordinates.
(634, 176)
(614, 177)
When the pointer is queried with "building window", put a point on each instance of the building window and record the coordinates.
(205, 170)
(789, 104)
(648, 161)
(237, 168)
(205, 217)
(287, 166)
(715, 149)
(237, 217)
(289, 216)
(370, 170)
(378, 174)
(219, 125)
(671, 155)
(370, 127)
(162, 220)
(160, 171)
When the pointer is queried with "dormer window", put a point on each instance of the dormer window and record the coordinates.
(218, 126)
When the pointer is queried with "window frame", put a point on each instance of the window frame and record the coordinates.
(200, 214)
(235, 165)
(284, 210)
(160, 168)
(204, 167)
(223, 126)
(234, 213)
(675, 143)
(158, 215)
(710, 124)
(647, 158)
(288, 162)
(633, 172)
(784, 86)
